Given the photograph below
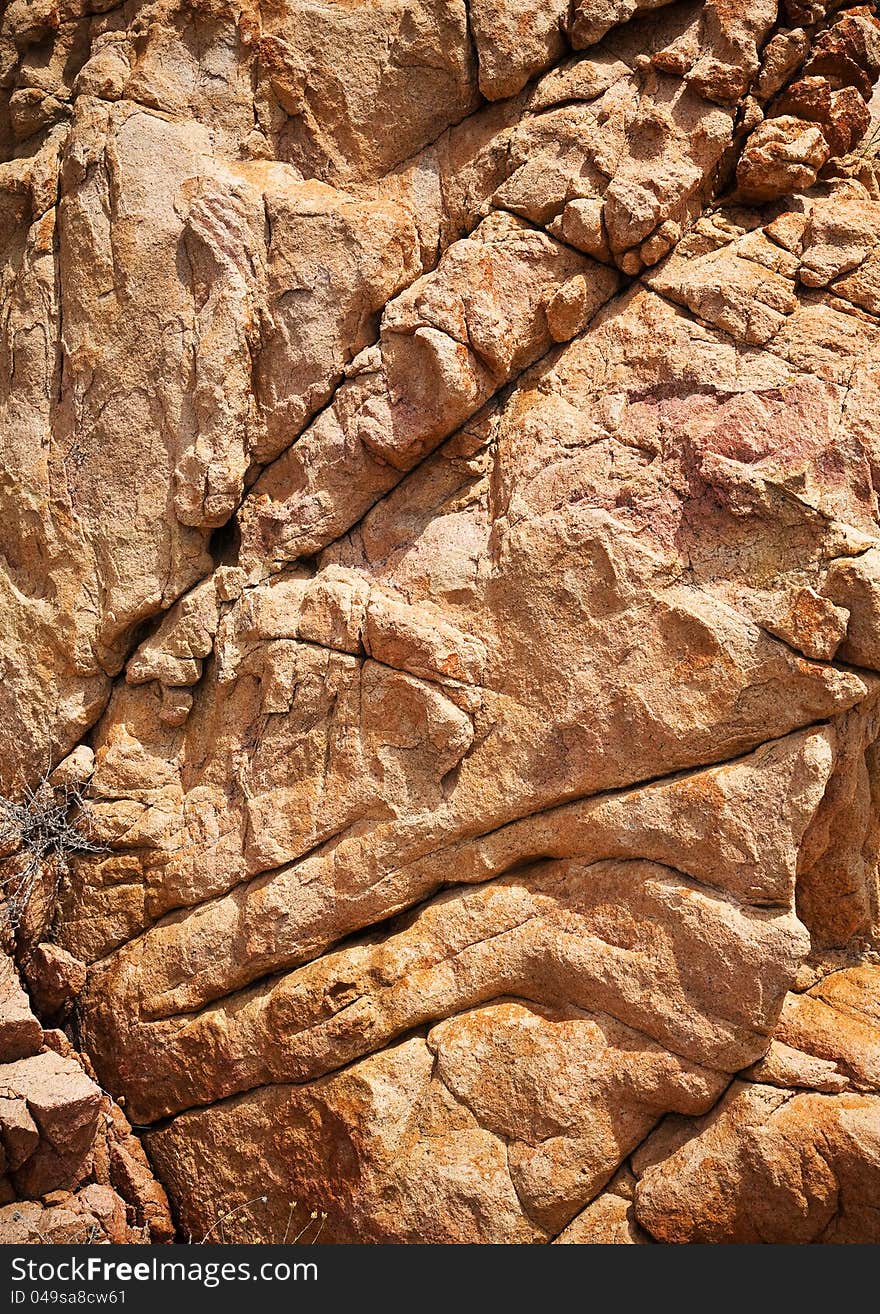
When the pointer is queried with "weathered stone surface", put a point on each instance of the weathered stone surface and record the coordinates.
(609, 1220)
(55, 978)
(767, 1166)
(73, 1171)
(440, 466)
(20, 1032)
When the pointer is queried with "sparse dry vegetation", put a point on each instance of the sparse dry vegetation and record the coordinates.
(238, 1225)
(39, 834)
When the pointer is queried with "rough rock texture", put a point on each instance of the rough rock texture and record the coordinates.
(72, 1170)
(440, 470)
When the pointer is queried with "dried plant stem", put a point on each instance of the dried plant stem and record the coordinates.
(39, 834)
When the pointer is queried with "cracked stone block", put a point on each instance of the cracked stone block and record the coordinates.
(440, 477)
(20, 1033)
(73, 1173)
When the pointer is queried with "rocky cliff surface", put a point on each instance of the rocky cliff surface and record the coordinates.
(71, 1170)
(439, 488)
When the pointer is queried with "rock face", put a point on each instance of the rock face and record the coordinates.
(72, 1170)
(440, 487)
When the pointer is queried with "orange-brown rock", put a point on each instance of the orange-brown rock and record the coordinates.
(767, 1165)
(440, 470)
(71, 1171)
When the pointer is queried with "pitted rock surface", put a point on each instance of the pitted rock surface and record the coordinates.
(440, 471)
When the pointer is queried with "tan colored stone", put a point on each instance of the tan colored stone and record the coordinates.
(828, 1021)
(20, 1032)
(440, 462)
(769, 1166)
(18, 1131)
(788, 1067)
(54, 977)
(62, 1141)
(64, 1104)
(782, 155)
(609, 1220)
(515, 40)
